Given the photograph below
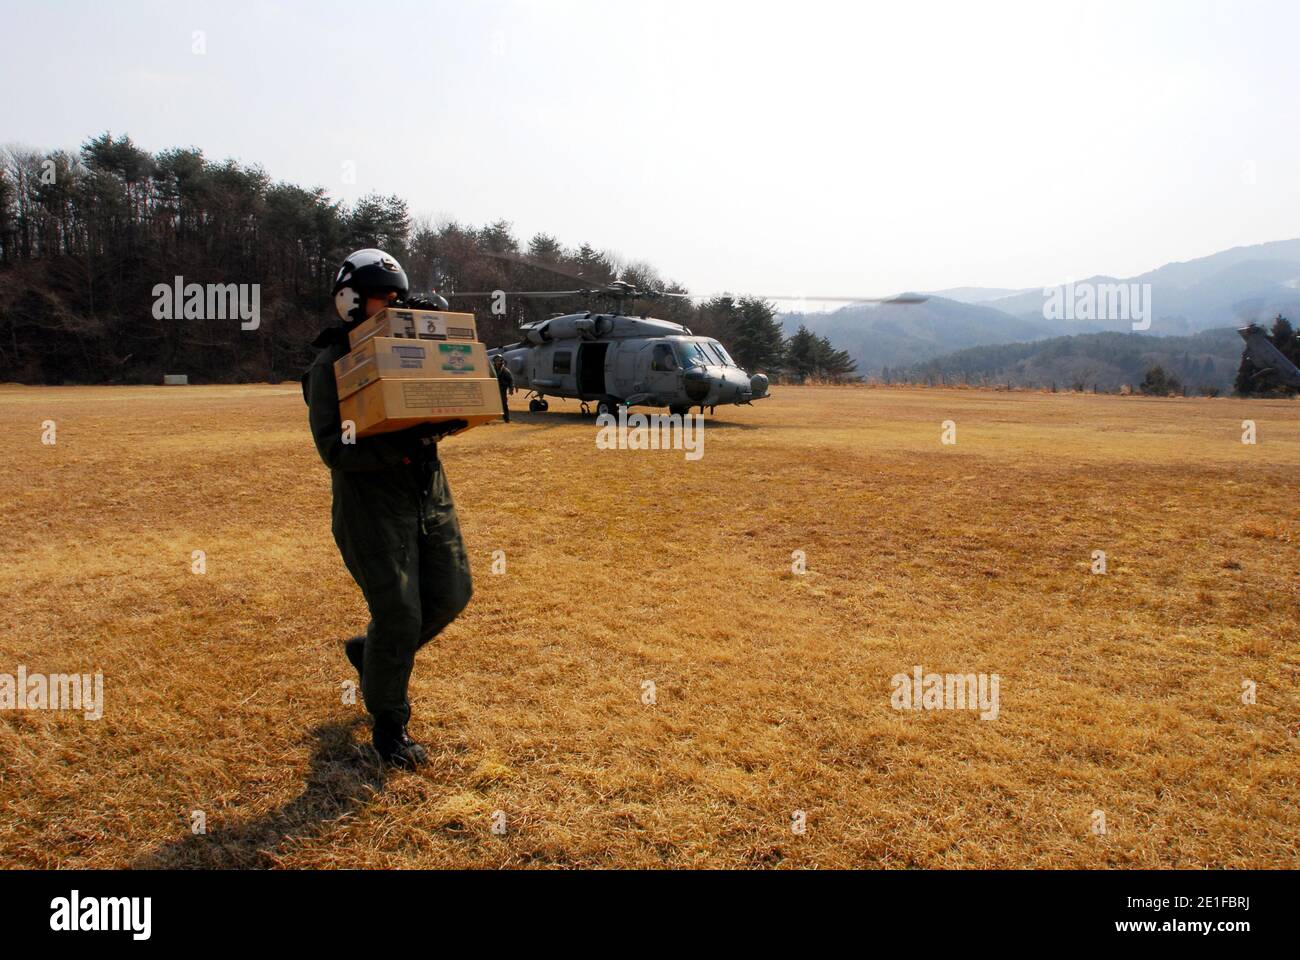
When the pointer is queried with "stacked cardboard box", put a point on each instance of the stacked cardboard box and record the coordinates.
(416, 325)
(409, 367)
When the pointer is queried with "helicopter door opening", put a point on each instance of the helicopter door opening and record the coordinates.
(591, 371)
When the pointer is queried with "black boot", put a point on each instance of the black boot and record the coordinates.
(356, 651)
(397, 749)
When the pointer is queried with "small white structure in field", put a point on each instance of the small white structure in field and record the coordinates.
(175, 380)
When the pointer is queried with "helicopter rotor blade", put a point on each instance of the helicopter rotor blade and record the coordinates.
(526, 261)
(598, 287)
(539, 294)
(902, 298)
(610, 291)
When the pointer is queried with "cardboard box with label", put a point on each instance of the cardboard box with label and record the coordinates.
(415, 325)
(391, 383)
(397, 358)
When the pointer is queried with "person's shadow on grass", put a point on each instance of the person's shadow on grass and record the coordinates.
(341, 780)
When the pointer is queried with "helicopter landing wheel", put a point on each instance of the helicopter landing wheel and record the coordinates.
(536, 406)
(609, 405)
(680, 409)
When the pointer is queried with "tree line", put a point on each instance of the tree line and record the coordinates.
(88, 238)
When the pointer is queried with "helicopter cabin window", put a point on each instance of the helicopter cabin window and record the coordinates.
(662, 361)
(721, 351)
(562, 362)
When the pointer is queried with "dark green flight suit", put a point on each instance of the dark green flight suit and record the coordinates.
(395, 525)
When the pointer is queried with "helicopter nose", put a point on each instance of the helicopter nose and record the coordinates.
(697, 383)
(758, 385)
(731, 386)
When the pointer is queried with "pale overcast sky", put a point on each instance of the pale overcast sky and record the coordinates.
(783, 147)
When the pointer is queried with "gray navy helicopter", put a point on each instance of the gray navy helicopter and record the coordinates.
(615, 358)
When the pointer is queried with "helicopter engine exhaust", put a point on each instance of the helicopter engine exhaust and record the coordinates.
(569, 328)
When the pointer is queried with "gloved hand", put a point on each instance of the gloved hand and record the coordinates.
(421, 302)
(420, 442)
(436, 431)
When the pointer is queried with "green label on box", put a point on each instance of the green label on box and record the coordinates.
(456, 357)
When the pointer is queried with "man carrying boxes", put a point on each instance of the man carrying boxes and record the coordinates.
(411, 377)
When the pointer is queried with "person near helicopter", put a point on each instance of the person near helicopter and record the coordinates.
(505, 383)
(393, 517)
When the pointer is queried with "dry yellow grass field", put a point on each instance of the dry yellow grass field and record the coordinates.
(1119, 692)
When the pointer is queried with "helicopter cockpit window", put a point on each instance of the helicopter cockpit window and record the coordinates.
(714, 354)
(721, 351)
(692, 355)
(563, 361)
(662, 360)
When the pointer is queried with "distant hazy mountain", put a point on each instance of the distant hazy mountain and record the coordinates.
(888, 335)
(975, 294)
(1103, 361)
(1224, 290)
